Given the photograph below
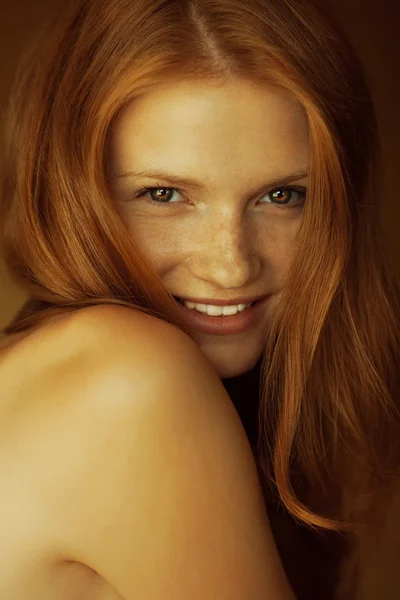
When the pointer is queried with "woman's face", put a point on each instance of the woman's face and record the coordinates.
(225, 234)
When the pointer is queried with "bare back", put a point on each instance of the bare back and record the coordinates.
(31, 565)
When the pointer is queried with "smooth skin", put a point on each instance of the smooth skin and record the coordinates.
(125, 470)
(225, 238)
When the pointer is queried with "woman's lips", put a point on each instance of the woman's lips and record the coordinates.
(224, 325)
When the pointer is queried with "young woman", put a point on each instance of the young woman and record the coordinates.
(200, 399)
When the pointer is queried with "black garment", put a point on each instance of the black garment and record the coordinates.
(243, 390)
(311, 559)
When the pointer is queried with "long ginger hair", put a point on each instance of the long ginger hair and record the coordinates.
(330, 369)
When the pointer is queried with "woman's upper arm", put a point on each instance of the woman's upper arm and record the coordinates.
(166, 502)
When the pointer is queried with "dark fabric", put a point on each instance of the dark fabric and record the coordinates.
(310, 559)
(244, 393)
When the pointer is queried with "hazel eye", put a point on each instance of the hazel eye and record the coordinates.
(159, 194)
(162, 193)
(281, 193)
(286, 191)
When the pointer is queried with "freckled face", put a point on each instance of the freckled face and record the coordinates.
(228, 235)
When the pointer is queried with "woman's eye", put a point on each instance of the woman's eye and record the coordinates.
(284, 196)
(160, 194)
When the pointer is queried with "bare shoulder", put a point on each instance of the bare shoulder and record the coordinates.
(101, 317)
(158, 493)
(90, 340)
(97, 339)
(64, 334)
(123, 345)
(122, 326)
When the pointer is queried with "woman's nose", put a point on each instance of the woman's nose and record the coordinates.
(226, 254)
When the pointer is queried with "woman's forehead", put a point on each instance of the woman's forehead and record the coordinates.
(236, 124)
(199, 97)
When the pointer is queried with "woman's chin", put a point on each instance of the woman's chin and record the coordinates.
(227, 366)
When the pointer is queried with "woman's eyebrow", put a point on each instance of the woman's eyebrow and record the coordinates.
(193, 183)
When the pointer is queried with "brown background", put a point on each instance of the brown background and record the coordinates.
(373, 28)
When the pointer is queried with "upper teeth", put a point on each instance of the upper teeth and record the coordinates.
(211, 309)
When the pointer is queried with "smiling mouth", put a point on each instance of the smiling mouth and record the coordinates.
(245, 307)
(215, 322)
(182, 301)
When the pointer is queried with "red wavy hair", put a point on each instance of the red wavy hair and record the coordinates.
(330, 379)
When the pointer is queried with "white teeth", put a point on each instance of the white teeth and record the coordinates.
(212, 310)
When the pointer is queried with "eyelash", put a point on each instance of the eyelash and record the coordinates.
(289, 188)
